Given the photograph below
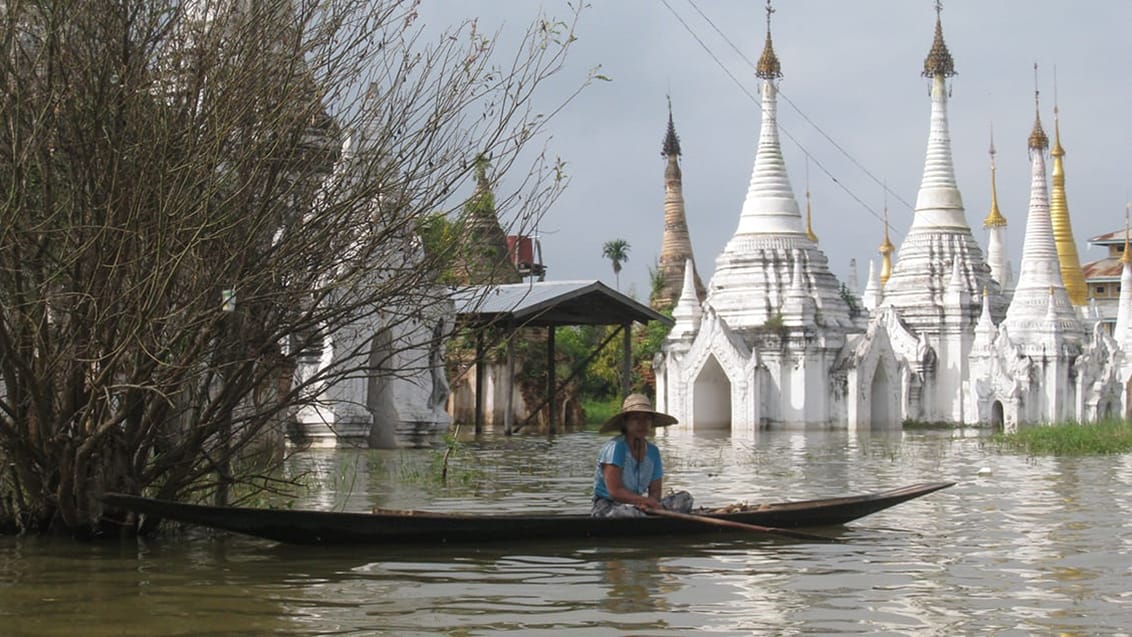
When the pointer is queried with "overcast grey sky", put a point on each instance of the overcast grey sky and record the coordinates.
(851, 68)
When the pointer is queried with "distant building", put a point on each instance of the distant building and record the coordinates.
(1103, 277)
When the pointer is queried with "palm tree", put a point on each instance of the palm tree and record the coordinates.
(617, 251)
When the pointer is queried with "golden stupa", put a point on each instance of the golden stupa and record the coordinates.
(886, 248)
(1071, 273)
(994, 217)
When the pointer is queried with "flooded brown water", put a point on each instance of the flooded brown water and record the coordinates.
(1035, 546)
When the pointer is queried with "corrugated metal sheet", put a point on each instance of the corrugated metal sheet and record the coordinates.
(541, 303)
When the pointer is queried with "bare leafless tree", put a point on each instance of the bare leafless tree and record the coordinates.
(195, 191)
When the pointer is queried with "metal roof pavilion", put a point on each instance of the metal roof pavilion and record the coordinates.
(546, 303)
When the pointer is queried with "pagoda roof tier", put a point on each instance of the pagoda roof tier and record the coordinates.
(753, 279)
(924, 270)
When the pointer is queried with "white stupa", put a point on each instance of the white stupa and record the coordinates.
(774, 318)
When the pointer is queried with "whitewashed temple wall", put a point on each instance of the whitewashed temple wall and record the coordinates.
(716, 381)
(873, 386)
(1058, 391)
(712, 380)
(800, 382)
(1124, 387)
(1054, 381)
(952, 369)
(1098, 379)
(395, 397)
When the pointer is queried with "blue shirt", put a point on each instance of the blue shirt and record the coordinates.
(635, 476)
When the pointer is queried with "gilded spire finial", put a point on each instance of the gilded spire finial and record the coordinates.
(1057, 150)
(994, 218)
(1038, 139)
(1126, 258)
(1071, 273)
(809, 216)
(671, 146)
(768, 67)
(886, 248)
(939, 61)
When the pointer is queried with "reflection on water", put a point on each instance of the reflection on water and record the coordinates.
(1037, 546)
(636, 584)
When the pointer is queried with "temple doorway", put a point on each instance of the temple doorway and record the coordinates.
(996, 418)
(882, 408)
(711, 398)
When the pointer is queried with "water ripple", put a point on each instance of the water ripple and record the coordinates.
(1035, 546)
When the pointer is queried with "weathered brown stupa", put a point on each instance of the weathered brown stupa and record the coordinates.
(676, 245)
(483, 257)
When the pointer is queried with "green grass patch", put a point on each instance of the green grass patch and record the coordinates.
(600, 410)
(1070, 439)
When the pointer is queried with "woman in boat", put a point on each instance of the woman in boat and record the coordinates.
(629, 474)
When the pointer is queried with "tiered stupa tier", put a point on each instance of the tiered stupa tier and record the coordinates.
(1040, 306)
(676, 245)
(939, 235)
(755, 272)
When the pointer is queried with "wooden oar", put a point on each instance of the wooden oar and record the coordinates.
(740, 525)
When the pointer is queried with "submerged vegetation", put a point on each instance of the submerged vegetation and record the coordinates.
(1069, 439)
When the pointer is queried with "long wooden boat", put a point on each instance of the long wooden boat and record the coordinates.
(416, 527)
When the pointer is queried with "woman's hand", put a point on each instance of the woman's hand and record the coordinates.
(619, 493)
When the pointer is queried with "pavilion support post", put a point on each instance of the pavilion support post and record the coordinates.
(626, 357)
(574, 373)
(551, 381)
(479, 383)
(508, 416)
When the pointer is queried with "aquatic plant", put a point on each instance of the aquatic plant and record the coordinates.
(1067, 439)
(599, 410)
